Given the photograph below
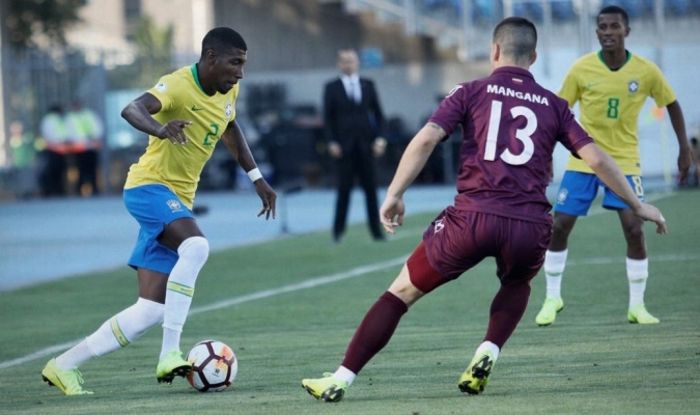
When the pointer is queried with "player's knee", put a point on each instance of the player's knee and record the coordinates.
(406, 291)
(195, 249)
(634, 232)
(561, 228)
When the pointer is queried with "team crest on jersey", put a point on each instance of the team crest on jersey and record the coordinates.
(633, 86)
(228, 110)
(439, 225)
(561, 197)
(174, 205)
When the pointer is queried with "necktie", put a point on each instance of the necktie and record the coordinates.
(354, 87)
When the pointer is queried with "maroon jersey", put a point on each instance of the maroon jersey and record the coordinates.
(510, 126)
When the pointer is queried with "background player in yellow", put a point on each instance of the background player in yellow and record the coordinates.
(185, 115)
(611, 87)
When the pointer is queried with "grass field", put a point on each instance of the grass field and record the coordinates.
(591, 361)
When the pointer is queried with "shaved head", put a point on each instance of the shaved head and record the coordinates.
(517, 38)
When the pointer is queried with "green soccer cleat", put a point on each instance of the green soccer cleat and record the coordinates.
(476, 376)
(549, 311)
(327, 388)
(172, 365)
(639, 315)
(68, 381)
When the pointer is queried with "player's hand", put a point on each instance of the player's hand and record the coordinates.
(379, 147)
(685, 159)
(651, 213)
(335, 150)
(174, 131)
(268, 197)
(391, 213)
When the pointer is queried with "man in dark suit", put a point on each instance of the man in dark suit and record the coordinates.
(353, 122)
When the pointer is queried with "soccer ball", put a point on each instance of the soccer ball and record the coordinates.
(214, 366)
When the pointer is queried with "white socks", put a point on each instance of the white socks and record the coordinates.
(637, 273)
(554, 264)
(345, 374)
(130, 323)
(193, 253)
(120, 330)
(490, 348)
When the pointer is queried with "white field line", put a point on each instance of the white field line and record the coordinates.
(328, 279)
(258, 295)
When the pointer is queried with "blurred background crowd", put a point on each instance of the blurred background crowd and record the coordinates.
(68, 67)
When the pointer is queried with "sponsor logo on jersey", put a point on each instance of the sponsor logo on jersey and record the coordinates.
(174, 205)
(228, 110)
(633, 86)
(196, 108)
(160, 86)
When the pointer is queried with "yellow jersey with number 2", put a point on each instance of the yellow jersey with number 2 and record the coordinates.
(179, 166)
(610, 103)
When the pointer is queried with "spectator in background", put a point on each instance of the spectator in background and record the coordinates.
(84, 129)
(21, 146)
(353, 122)
(52, 171)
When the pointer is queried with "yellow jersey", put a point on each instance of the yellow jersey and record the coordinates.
(610, 103)
(179, 166)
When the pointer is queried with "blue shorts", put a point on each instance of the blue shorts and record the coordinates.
(577, 191)
(153, 206)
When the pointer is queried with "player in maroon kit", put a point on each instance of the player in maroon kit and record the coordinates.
(510, 126)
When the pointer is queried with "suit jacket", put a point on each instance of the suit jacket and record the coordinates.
(349, 123)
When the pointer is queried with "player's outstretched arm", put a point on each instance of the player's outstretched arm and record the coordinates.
(606, 169)
(412, 162)
(238, 146)
(685, 158)
(138, 114)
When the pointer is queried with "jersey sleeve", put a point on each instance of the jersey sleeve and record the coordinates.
(571, 134)
(166, 91)
(569, 89)
(661, 91)
(452, 110)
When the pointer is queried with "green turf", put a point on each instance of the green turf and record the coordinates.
(591, 361)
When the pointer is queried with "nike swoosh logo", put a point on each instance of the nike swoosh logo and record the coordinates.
(196, 108)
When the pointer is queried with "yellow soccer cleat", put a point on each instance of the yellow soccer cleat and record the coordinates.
(639, 315)
(327, 388)
(172, 365)
(549, 311)
(68, 381)
(476, 376)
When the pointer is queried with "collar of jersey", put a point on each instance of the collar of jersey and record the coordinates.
(514, 70)
(195, 75)
(627, 52)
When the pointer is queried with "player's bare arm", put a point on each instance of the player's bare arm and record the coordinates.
(412, 162)
(238, 146)
(685, 158)
(606, 169)
(138, 114)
